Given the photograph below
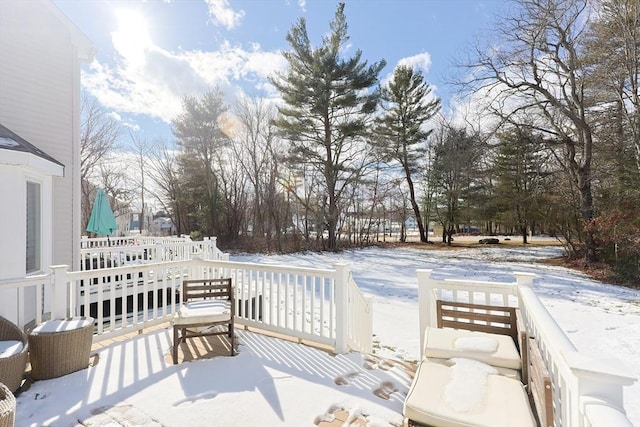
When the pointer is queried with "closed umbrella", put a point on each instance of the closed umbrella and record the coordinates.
(102, 222)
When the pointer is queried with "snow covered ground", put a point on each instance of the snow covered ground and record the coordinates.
(272, 382)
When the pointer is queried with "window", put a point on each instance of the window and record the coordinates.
(33, 227)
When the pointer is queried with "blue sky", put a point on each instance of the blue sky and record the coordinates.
(149, 54)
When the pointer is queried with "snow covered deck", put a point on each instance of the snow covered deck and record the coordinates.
(271, 381)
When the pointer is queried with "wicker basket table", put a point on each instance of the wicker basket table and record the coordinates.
(60, 347)
(7, 407)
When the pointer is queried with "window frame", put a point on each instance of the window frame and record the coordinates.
(33, 225)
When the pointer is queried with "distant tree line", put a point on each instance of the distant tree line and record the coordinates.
(345, 158)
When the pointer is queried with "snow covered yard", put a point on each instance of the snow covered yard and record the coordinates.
(273, 382)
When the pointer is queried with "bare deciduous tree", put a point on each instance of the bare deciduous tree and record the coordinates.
(99, 133)
(538, 69)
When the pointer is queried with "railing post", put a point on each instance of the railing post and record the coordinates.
(195, 267)
(342, 308)
(601, 414)
(598, 381)
(369, 346)
(424, 304)
(59, 297)
(524, 279)
(159, 257)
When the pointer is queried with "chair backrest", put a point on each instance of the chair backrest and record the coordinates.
(200, 289)
(9, 331)
(476, 317)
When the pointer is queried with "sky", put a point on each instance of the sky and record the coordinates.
(150, 54)
(276, 383)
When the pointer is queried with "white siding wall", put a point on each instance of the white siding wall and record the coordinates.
(39, 100)
(13, 186)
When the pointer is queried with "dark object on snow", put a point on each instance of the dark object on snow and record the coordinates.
(489, 241)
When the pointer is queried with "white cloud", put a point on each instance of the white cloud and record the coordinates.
(421, 61)
(222, 14)
(131, 125)
(152, 81)
(303, 5)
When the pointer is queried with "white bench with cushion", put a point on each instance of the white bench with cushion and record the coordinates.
(472, 377)
(437, 398)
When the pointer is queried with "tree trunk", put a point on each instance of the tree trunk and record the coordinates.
(523, 231)
(414, 205)
(586, 211)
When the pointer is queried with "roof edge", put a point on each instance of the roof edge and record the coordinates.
(86, 51)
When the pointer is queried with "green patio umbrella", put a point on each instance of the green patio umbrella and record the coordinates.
(102, 222)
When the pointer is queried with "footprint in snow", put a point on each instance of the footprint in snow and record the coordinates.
(371, 363)
(329, 416)
(385, 390)
(345, 379)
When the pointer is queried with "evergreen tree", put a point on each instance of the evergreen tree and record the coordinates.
(200, 139)
(401, 131)
(520, 174)
(454, 176)
(328, 103)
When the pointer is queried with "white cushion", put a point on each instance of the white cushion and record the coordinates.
(500, 402)
(449, 343)
(507, 372)
(9, 348)
(484, 344)
(52, 326)
(213, 310)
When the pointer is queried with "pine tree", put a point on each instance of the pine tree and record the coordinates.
(401, 131)
(328, 103)
(520, 176)
(200, 138)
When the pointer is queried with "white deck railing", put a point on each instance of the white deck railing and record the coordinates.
(359, 324)
(587, 392)
(29, 296)
(322, 306)
(103, 252)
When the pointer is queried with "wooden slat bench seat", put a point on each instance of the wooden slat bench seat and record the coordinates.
(471, 375)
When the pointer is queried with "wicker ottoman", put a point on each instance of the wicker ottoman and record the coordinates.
(7, 407)
(60, 347)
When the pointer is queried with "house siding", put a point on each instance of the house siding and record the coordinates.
(39, 100)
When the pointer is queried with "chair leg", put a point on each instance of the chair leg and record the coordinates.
(232, 339)
(174, 350)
